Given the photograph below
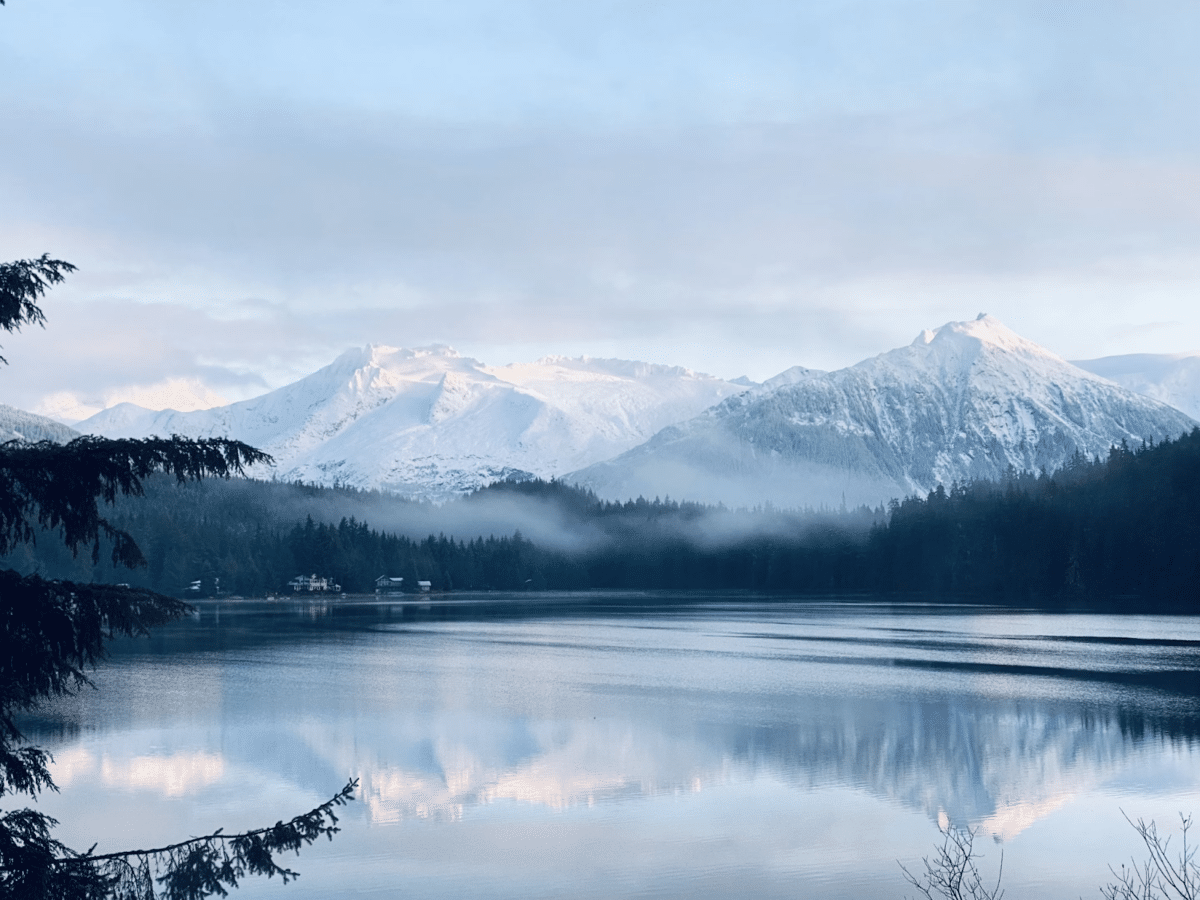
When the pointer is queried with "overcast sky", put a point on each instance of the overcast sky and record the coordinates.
(251, 187)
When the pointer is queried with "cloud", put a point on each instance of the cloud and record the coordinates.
(735, 189)
(181, 394)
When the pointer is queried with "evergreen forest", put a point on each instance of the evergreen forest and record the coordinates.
(1119, 532)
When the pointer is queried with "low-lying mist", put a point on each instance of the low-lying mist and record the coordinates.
(554, 515)
(248, 536)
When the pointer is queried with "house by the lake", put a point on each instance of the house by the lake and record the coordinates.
(313, 584)
(389, 584)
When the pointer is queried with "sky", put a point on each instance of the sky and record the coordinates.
(249, 188)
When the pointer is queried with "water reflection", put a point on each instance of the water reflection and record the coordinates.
(987, 718)
(1000, 767)
(170, 775)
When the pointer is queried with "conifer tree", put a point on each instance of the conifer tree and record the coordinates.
(53, 632)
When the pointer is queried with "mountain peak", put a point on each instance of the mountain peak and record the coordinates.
(985, 331)
(963, 402)
(383, 364)
(381, 353)
(427, 422)
(984, 327)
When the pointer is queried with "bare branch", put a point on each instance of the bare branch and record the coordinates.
(1161, 877)
(952, 874)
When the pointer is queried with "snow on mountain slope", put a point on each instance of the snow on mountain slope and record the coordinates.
(964, 401)
(18, 425)
(430, 423)
(1173, 379)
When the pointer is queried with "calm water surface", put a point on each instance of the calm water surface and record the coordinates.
(640, 745)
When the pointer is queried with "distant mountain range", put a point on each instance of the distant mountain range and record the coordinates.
(1173, 379)
(965, 401)
(430, 423)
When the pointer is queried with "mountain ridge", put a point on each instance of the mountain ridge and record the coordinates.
(1172, 378)
(427, 422)
(19, 425)
(960, 402)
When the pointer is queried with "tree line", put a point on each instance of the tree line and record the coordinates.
(1124, 529)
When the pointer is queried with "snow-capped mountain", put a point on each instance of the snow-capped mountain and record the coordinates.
(965, 401)
(430, 423)
(1173, 379)
(18, 425)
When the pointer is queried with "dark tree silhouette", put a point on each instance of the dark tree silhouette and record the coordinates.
(22, 284)
(53, 632)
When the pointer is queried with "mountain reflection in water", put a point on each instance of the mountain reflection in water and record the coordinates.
(989, 718)
(994, 766)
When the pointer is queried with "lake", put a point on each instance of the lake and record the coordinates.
(639, 745)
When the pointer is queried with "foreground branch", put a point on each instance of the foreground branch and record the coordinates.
(35, 866)
(59, 486)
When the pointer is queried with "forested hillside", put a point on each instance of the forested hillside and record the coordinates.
(1118, 529)
(254, 536)
(1124, 530)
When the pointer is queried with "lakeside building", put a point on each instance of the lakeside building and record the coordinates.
(313, 584)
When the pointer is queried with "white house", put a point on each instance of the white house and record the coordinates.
(388, 584)
(313, 583)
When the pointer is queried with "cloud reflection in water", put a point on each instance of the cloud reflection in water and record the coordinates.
(687, 729)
